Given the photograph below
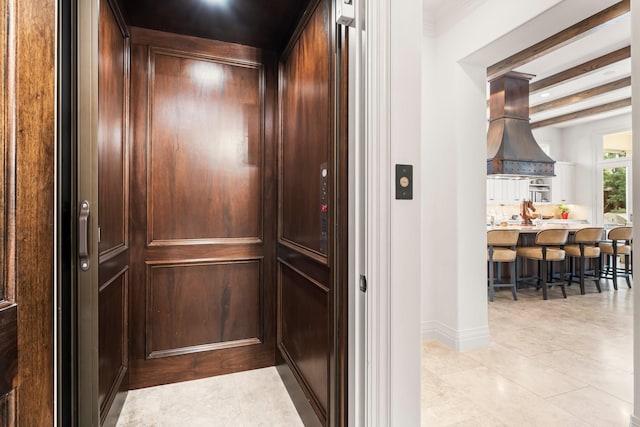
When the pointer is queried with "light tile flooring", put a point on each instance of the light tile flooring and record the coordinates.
(251, 398)
(551, 363)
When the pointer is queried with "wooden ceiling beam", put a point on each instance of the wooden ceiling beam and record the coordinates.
(581, 96)
(558, 40)
(579, 70)
(583, 113)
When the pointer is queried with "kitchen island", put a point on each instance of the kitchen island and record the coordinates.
(529, 268)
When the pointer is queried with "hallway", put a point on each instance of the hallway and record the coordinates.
(551, 363)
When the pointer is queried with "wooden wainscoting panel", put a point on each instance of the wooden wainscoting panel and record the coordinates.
(313, 214)
(201, 307)
(306, 134)
(113, 213)
(112, 338)
(305, 332)
(203, 198)
(205, 121)
(112, 148)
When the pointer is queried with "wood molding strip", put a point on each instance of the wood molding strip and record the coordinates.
(579, 70)
(583, 113)
(558, 40)
(581, 96)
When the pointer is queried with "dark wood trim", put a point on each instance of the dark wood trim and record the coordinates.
(582, 113)
(581, 96)
(558, 40)
(35, 125)
(581, 69)
(195, 45)
(8, 409)
(299, 398)
(317, 271)
(341, 329)
(8, 348)
(119, 18)
(302, 24)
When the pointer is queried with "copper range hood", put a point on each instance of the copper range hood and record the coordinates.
(511, 148)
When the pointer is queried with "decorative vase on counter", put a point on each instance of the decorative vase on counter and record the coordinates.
(564, 215)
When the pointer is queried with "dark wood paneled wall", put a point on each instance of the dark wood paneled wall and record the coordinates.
(203, 208)
(311, 331)
(28, 49)
(8, 308)
(113, 212)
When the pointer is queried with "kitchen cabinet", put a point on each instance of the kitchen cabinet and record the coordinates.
(562, 185)
(507, 191)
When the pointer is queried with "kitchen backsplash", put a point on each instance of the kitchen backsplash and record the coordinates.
(507, 211)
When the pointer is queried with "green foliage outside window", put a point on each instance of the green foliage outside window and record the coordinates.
(615, 190)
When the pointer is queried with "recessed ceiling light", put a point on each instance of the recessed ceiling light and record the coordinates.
(215, 2)
(545, 94)
(610, 72)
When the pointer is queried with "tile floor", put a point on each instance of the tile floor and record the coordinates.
(551, 363)
(246, 399)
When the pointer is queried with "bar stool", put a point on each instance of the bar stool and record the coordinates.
(584, 247)
(501, 247)
(548, 248)
(619, 243)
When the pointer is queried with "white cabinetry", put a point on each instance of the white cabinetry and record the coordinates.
(507, 191)
(563, 183)
(540, 190)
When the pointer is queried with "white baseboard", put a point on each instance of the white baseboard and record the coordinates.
(469, 339)
(634, 422)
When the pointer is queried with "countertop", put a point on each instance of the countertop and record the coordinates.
(566, 224)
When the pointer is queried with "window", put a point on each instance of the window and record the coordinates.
(615, 177)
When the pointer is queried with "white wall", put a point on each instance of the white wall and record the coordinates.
(454, 298)
(635, 67)
(405, 66)
(551, 137)
(429, 151)
(583, 146)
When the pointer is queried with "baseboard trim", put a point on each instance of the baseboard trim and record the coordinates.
(300, 401)
(459, 340)
(634, 422)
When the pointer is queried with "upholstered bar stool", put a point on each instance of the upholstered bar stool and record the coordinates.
(585, 247)
(501, 247)
(548, 248)
(619, 243)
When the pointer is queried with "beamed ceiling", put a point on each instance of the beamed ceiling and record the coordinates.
(582, 72)
(265, 24)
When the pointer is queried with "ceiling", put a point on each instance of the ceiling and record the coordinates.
(267, 24)
(614, 36)
(442, 14)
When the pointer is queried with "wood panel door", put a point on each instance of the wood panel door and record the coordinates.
(113, 212)
(312, 235)
(203, 208)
